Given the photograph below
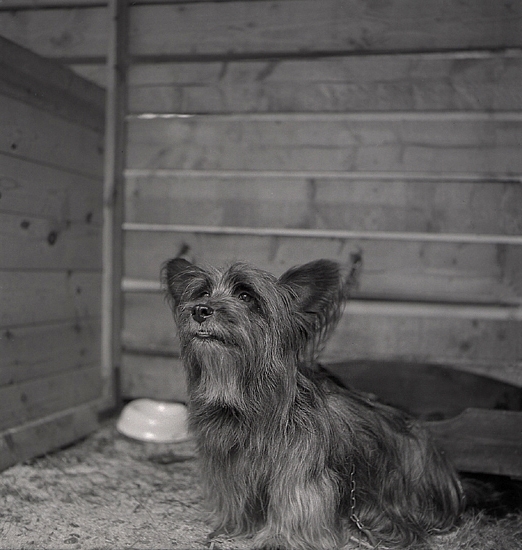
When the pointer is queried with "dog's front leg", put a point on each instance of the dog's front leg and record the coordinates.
(302, 512)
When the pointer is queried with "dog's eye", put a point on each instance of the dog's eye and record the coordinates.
(245, 297)
(204, 294)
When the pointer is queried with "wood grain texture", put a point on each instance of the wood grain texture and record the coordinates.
(45, 192)
(476, 273)
(348, 143)
(50, 86)
(42, 137)
(332, 25)
(60, 33)
(33, 352)
(473, 82)
(482, 441)
(36, 399)
(47, 434)
(446, 340)
(154, 377)
(351, 203)
(33, 297)
(29, 242)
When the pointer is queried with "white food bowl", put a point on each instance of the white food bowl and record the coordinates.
(156, 421)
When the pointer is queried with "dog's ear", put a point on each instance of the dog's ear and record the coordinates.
(175, 275)
(321, 289)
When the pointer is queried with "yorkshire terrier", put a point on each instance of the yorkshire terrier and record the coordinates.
(288, 456)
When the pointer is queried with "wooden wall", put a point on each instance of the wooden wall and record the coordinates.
(278, 132)
(73, 32)
(51, 182)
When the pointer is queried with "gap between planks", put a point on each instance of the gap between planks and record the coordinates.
(307, 174)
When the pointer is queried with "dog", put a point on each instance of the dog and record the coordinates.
(288, 456)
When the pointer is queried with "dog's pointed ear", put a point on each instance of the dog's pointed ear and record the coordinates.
(175, 274)
(320, 288)
(317, 285)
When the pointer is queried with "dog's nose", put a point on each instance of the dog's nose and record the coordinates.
(200, 312)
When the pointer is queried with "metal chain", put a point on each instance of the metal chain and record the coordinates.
(353, 503)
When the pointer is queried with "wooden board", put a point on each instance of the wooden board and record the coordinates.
(36, 399)
(66, 33)
(38, 4)
(444, 271)
(378, 143)
(28, 242)
(152, 376)
(476, 82)
(50, 86)
(32, 189)
(31, 297)
(47, 434)
(40, 136)
(483, 441)
(303, 26)
(351, 202)
(34, 352)
(387, 335)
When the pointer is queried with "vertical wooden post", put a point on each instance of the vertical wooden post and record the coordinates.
(115, 133)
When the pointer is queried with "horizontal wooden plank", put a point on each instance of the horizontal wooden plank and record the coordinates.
(154, 377)
(338, 143)
(79, 32)
(471, 344)
(29, 242)
(33, 189)
(28, 132)
(290, 232)
(47, 434)
(488, 81)
(310, 26)
(444, 271)
(36, 351)
(482, 441)
(30, 297)
(49, 85)
(36, 399)
(148, 325)
(357, 204)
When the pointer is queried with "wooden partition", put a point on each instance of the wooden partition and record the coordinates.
(281, 131)
(51, 182)
(278, 132)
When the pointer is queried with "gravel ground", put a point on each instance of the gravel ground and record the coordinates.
(111, 492)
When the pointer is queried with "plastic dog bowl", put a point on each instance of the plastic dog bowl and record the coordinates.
(156, 421)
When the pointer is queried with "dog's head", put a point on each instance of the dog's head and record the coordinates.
(250, 309)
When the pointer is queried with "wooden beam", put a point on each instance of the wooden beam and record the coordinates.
(486, 441)
(325, 233)
(47, 434)
(112, 251)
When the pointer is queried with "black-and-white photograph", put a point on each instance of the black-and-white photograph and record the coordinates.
(260, 274)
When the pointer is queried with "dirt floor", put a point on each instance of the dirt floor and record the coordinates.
(111, 492)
